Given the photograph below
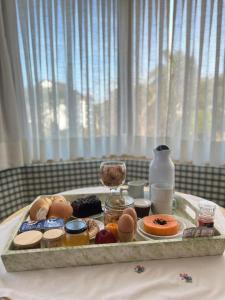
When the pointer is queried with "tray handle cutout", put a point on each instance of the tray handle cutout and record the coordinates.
(187, 208)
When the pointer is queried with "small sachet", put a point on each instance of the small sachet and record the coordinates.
(53, 224)
(31, 225)
(42, 225)
(194, 232)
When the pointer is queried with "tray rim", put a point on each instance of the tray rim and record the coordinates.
(7, 252)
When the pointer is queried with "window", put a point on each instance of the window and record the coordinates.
(114, 77)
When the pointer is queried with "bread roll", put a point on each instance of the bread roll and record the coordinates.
(58, 199)
(60, 210)
(40, 208)
(47, 199)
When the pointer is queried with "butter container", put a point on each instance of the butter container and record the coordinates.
(194, 232)
(31, 225)
(53, 224)
(53, 238)
(42, 225)
(28, 240)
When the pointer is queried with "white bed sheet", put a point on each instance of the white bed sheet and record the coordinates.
(159, 281)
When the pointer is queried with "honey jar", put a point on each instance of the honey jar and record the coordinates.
(76, 233)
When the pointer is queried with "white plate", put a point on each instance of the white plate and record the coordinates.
(100, 225)
(97, 216)
(140, 236)
(182, 222)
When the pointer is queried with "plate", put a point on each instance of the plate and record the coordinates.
(140, 236)
(181, 221)
(100, 224)
(100, 215)
(97, 216)
(94, 230)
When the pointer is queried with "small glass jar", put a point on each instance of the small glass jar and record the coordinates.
(114, 207)
(53, 238)
(142, 207)
(76, 233)
(206, 213)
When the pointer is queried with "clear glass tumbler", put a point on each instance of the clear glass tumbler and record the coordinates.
(206, 213)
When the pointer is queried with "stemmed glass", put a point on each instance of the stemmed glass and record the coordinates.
(112, 174)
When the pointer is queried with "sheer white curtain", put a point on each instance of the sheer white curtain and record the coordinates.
(69, 54)
(12, 149)
(177, 78)
(112, 77)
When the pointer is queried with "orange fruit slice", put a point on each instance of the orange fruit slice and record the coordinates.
(161, 225)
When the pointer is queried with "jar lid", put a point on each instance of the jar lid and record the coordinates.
(28, 238)
(75, 226)
(119, 202)
(53, 234)
(207, 207)
(207, 204)
(141, 202)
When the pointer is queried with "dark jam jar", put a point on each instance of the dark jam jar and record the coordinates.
(206, 213)
(142, 207)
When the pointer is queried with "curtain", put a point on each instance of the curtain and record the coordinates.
(69, 54)
(103, 77)
(177, 78)
(12, 149)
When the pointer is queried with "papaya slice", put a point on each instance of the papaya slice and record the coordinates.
(161, 225)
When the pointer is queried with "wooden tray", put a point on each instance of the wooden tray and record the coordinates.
(21, 260)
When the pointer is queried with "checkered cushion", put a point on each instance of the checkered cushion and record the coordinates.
(19, 186)
(11, 191)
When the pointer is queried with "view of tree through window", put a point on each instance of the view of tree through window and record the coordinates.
(152, 71)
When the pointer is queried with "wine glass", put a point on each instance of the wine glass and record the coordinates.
(112, 174)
